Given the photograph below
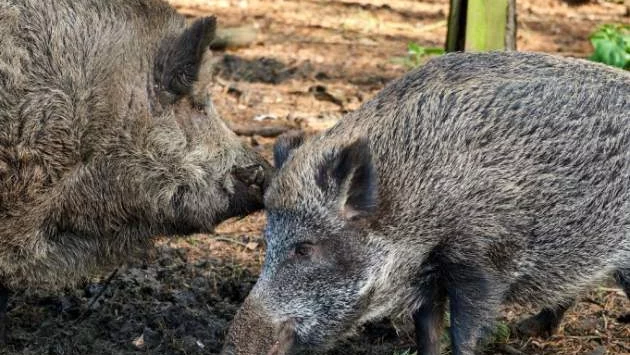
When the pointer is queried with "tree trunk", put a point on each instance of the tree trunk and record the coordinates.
(486, 23)
(456, 36)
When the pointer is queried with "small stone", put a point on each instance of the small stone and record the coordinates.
(139, 342)
(151, 338)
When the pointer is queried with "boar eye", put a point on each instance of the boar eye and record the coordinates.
(304, 250)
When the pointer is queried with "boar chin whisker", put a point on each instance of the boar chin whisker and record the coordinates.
(285, 338)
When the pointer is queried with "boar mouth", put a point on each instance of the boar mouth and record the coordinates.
(252, 175)
(245, 187)
(285, 339)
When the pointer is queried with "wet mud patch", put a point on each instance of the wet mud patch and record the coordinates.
(168, 307)
(260, 70)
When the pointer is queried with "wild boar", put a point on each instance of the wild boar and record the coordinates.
(108, 137)
(477, 179)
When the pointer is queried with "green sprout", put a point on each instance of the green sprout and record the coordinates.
(611, 44)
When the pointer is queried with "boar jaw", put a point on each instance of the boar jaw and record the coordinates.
(285, 339)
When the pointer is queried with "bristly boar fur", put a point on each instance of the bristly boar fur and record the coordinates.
(108, 136)
(476, 179)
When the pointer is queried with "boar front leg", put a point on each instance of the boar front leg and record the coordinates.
(622, 276)
(4, 300)
(474, 297)
(546, 322)
(429, 320)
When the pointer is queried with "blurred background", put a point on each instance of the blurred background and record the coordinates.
(322, 57)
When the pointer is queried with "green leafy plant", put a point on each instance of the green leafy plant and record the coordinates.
(417, 53)
(501, 333)
(611, 44)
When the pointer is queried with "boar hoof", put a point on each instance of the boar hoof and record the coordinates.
(536, 326)
(4, 299)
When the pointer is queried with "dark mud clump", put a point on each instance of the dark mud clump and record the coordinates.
(166, 307)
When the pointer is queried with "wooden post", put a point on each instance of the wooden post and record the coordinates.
(486, 25)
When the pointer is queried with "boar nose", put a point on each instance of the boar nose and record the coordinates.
(254, 333)
(250, 183)
(245, 187)
(253, 175)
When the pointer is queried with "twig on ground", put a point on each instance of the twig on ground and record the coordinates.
(106, 284)
(229, 240)
(592, 301)
(263, 131)
(610, 289)
(583, 337)
(622, 344)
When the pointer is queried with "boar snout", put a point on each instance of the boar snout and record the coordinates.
(253, 333)
(248, 187)
(255, 175)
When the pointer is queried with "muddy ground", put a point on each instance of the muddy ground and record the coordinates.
(311, 61)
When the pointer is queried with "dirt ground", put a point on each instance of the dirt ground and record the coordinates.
(312, 61)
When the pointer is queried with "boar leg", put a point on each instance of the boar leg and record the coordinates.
(622, 276)
(4, 300)
(429, 319)
(545, 323)
(474, 299)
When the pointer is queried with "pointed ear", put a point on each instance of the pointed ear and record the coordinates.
(179, 59)
(350, 175)
(284, 145)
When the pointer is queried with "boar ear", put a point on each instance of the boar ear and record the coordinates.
(285, 144)
(179, 60)
(350, 174)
